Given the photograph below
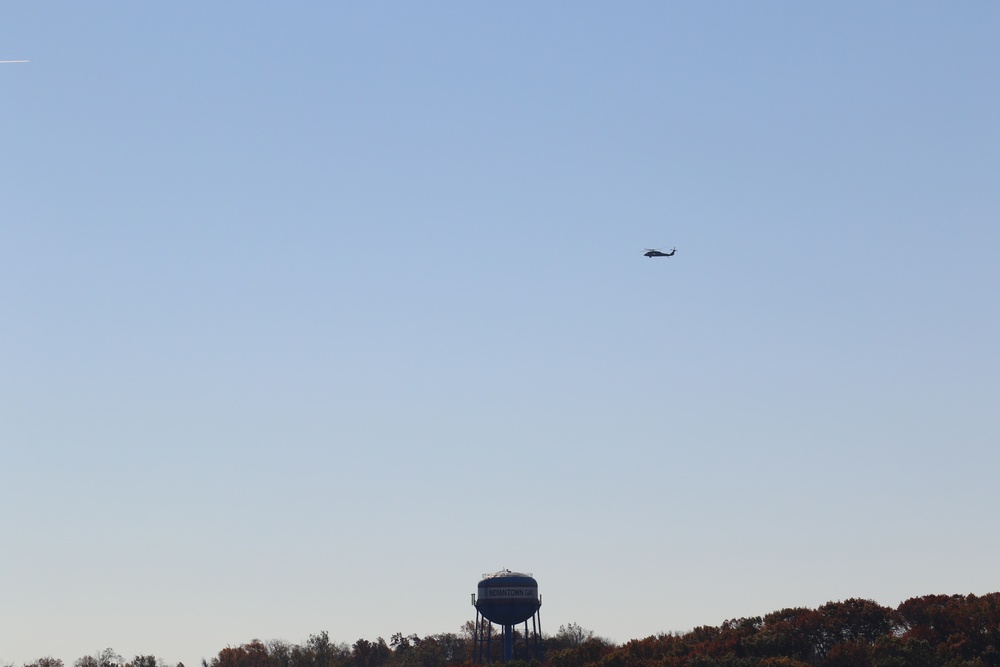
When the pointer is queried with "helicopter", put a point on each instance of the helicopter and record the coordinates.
(653, 252)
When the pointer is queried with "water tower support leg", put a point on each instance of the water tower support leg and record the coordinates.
(489, 642)
(477, 641)
(508, 642)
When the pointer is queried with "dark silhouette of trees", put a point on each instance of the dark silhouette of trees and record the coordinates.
(933, 631)
(928, 631)
(370, 654)
(253, 654)
(572, 635)
(105, 658)
(897, 652)
(45, 662)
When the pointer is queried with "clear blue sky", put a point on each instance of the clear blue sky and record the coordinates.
(314, 312)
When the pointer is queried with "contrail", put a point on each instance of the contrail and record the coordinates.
(13, 61)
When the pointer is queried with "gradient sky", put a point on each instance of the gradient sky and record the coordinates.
(313, 313)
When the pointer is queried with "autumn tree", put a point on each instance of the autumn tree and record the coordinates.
(370, 654)
(143, 661)
(792, 632)
(857, 620)
(666, 650)
(892, 651)
(591, 651)
(253, 654)
(325, 653)
(48, 661)
(572, 635)
(105, 658)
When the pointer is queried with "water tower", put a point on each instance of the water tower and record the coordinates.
(507, 599)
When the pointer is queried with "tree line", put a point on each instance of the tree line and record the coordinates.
(928, 631)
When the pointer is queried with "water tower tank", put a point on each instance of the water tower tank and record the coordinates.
(508, 598)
